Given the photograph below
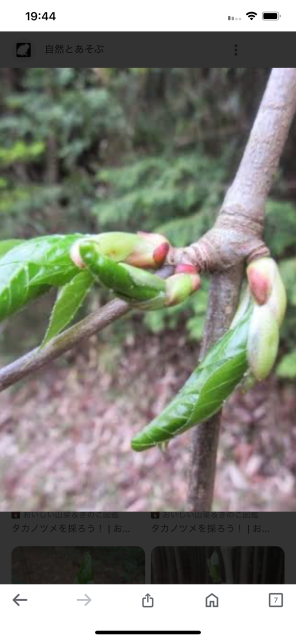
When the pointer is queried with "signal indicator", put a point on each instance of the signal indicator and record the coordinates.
(251, 14)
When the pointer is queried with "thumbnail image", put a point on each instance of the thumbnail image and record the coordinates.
(78, 565)
(218, 565)
(147, 289)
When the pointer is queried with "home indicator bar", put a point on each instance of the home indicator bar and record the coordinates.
(148, 633)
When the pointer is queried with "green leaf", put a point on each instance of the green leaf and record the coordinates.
(205, 391)
(68, 302)
(6, 245)
(30, 268)
(130, 283)
(213, 566)
(85, 574)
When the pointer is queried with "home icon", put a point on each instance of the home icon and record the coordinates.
(212, 601)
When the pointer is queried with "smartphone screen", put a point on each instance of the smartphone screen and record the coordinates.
(147, 320)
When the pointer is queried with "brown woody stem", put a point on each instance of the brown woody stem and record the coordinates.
(223, 301)
(235, 237)
(70, 338)
(237, 233)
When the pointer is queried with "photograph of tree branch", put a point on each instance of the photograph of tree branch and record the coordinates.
(218, 565)
(78, 565)
(147, 289)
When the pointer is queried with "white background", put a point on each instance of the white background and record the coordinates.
(53, 611)
(134, 15)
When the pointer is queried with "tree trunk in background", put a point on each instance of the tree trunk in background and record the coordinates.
(265, 565)
(244, 556)
(227, 561)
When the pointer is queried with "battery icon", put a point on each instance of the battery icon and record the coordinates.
(270, 15)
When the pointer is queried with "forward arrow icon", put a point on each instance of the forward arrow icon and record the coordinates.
(88, 599)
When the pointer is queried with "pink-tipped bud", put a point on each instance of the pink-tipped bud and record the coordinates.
(180, 286)
(160, 254)
(186, 268)
(261, 274)
(150, 251)
(260, 286)
(267, 287)
(75, 255)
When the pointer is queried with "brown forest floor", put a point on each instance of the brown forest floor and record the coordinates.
(65, 435)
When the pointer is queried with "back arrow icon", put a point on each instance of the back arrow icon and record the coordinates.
(17, 600)
(88, 599)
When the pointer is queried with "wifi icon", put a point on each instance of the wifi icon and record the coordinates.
(251, 14)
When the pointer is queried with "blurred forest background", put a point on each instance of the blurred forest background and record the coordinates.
(95, 150)
(190, 565)
(60, 565)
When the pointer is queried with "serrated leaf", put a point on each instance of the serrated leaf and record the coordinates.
(205, 391)
(30, 268)
(68, 302)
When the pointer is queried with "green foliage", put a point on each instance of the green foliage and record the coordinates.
(73, 263)
(85, 574)
(280, 228)
(21, 152)
(205, 391)
(51, 120)
(166, 189)
(68, 302)
(213, 566)
(288, 273)
(249, 347)
(30, 268)
(145, 148)
(287, 366)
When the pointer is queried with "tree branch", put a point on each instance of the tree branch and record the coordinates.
(70, 338)
(237, 232)
(34, 360)
(235, 237)
(223, 301)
